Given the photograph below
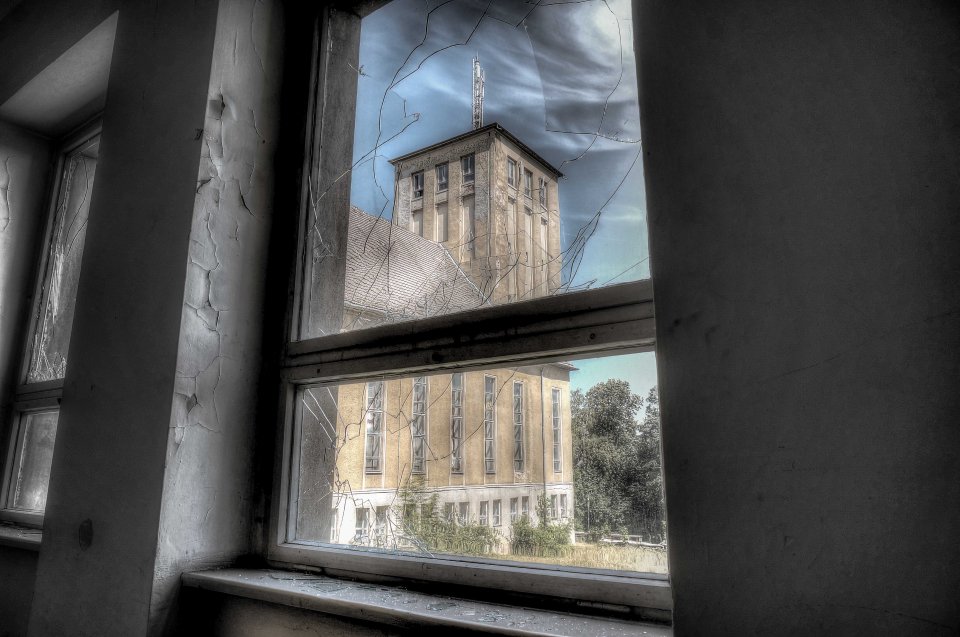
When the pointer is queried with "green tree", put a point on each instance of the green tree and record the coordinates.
(617, 461)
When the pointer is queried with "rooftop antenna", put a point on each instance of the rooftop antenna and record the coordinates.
(477, 93)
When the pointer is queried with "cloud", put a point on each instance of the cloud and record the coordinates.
(557, 66)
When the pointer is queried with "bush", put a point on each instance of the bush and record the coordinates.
(550, 540)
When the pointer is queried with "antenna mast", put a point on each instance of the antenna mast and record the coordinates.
(477, 94)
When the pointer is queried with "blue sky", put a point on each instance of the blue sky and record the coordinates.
(557, 73)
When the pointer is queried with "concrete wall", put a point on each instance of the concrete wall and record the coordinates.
(19, 568)
(802, 183)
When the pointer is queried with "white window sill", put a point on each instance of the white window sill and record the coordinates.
(20, 537)
(396, 605)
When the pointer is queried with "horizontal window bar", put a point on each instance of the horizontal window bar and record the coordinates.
(614, 318)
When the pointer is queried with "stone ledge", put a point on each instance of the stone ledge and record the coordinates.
(397, 606)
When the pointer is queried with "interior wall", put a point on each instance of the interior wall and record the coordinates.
(801, 164)
(109, 462)
(19, 568)
(209, 498)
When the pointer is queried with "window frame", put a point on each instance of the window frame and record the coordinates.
(414, 178)
(32, 397)
(473, 168)
(611, 320)
(512, 166)
(445, 182)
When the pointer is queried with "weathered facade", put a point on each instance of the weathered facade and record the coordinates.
(505, 232)
(476, 222)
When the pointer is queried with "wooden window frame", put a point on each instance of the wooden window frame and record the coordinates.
(32, 397)
(618, 319)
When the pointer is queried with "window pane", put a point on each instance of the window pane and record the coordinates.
(567, 126)
(586, 494)
(28, 488)
(51, 336)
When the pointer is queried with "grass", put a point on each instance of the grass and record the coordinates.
(613, 556)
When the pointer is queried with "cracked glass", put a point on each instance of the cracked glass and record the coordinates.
(58, 294)
(495, 160)
(417, 464)
(31, 475)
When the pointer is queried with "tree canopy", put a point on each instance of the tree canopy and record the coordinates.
(617, 480)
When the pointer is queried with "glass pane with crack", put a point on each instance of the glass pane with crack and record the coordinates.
(495, 159)
(34, 455)
(58, 294)
(556, 463)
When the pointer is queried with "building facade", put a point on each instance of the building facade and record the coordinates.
(476, 222)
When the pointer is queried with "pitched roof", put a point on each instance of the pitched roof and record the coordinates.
(395, 273)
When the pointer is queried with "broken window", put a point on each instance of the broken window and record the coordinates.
(36, 413)
(385, 312)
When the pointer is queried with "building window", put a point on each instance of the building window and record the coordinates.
(442, 232)
(401, 285)
(466, 168)
(373, 456)
(489, 423)
(518, 425)
(514, 510)
(442, 177)
(553, 507)
(557, 435)
(527, 183)
(26, 475)
(418, 425)
(563, 506)
(416, 222)
(511, 172)
(361, 533)
(463, 515)
(417, 180)
(456, 423)
(525, 507)
(542, 190)
(380, 526)
(449, 513)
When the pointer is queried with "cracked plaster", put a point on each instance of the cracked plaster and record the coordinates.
(206, 508)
